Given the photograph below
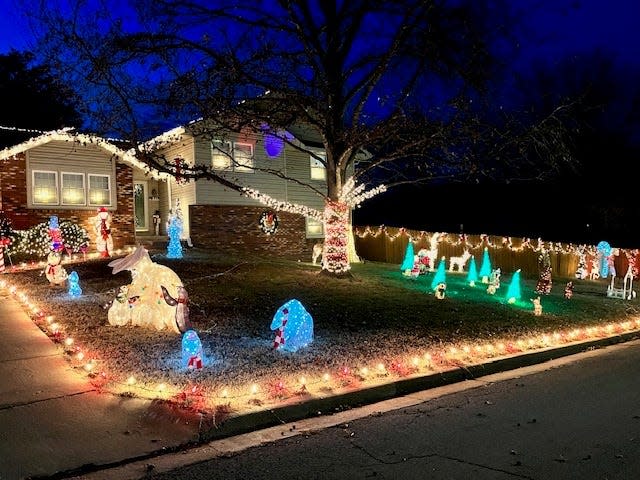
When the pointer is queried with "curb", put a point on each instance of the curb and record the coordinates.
(319, 406)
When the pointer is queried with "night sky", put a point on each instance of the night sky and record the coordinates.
(574, 38)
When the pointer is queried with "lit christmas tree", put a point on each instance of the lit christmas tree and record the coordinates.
(485, 268)
(513, 293)
(440, 276)
(544, 280)
(407, 263)
(472, 276)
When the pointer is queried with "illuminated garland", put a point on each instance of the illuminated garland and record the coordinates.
(281, 206)
(354, 196)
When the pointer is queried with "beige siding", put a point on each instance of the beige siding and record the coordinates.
(71, 157)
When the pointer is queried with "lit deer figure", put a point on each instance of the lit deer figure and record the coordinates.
(459, 262)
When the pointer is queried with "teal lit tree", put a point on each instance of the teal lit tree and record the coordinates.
(407, 263)
(513, 293)
(440, 276)
(472, 276)
(485, 268)
(174, 230)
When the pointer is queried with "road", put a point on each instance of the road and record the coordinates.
(572, 418)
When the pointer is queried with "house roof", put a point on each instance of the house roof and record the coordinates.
(68, 135)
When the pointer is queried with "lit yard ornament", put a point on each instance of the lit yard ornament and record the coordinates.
(513, 292)
(440, 290)
(407, 263)
(174, 230)
(472, 276)
(54, 234)
(192, 351)
(182, 307)
(423, 259)
(293, 326)
(54, 271)
(537, 306)
(568, 290)
(494, 281)
(626, 292)
(458, 263)
(604, 252)
(102, 228)
(543, 286)
(74, 285)
(142, 302)
(440, 276)
(485, 268)
(317, 252)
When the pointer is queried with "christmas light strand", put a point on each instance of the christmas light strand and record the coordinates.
(282, 206)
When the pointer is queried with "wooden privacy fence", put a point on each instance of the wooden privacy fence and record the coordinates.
(389, 244)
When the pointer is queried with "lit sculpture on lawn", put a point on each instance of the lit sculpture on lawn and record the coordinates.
(192, 352)
(74, 285)
(54, 271)
(102, 227)
(293, 326)
(143, 302)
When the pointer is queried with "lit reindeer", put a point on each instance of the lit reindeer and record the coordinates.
(459, 262)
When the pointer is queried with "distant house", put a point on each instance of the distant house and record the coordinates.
(73, 175)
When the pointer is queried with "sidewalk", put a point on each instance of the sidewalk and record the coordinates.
(54, 424)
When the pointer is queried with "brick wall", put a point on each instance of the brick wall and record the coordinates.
(236, 229)
(13, 202)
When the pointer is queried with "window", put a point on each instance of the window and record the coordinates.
(318, 170)
(243, 157)
(315, 228)
(99, 190)
(221, 155)
(73, 189)
(238, 158)
(45, 188)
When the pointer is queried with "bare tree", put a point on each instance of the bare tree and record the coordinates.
(392, 90)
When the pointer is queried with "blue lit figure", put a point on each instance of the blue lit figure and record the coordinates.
(472, 276)
(293, 326)
(513, 293)
(485, 268)
(440, 276)
(174, 229)
(74, 285)
(192, 353)
(409, 258)
(604, 251)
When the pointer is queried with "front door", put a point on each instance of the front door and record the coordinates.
(140, 207)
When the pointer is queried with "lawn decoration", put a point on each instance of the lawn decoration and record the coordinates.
(543, 286)
(594, 271)
(102, 227)
(192, 351)
(537, 306)
(156, 222)
(604, 252)
(54, 271)
(407, 263)
(513, 292)
(54, 233)
(626, 292)
(317, 252)
(142, 302)
(293, 326)
(582, 271)
(568, 290)
(459, 262)
(440, 290)
(485, 268)
(174, 230)
(269, 222)
(182, 307)
(440, 276)
(494, 281)
(74, 285)
(423, 260)
(472, 276)
(432, 253)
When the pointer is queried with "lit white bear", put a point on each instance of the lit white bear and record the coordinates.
(143, 302)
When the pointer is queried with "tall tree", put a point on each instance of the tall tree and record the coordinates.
(392, 86)
(40, 101)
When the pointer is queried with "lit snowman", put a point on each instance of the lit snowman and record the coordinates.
(54, 271)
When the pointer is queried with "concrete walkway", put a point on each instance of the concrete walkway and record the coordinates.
(51, 419)
(53, 424)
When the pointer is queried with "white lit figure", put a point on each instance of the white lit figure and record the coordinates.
(54, 271)
(192, 352)
(293, 326)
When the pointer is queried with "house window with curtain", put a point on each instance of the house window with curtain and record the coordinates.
(99, 190)
(73, 192)
(318, 169)
(314, 228)
(221, 155)
(243, 157)
(45, 187)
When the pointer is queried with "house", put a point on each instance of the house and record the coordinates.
(72, 175)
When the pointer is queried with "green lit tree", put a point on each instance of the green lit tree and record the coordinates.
(472, 275)
(513, 293)
(440, 276)
(407, 263)
(485, 268)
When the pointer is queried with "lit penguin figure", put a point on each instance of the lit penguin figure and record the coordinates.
(74, 285)
(440, 290)
(293, 326)
(192, 353)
